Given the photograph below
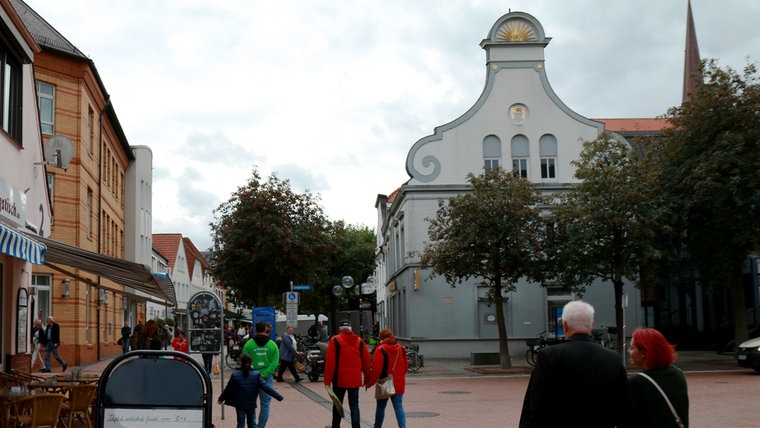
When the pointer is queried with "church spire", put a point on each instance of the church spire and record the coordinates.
(692, 74)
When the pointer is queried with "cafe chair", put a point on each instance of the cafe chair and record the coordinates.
(37, 410)
(78, 405)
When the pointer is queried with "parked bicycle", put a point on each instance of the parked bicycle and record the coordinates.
(413, 357)
(543, 340)
(605, 336)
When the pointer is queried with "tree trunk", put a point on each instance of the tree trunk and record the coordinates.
(619, 319)
(504, 358)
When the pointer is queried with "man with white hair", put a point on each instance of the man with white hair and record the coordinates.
(576, 383)
(51, 338)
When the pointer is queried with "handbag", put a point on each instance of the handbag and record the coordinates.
(679, 423)
(384, 387)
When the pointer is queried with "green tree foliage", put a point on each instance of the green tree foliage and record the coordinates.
(491, 234)
(711, 173)
(265, 236)
(354, 255)
(605, 227)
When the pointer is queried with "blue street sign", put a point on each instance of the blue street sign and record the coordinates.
(302, 287)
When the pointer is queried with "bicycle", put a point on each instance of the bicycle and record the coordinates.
(413, 358)
(543, 340)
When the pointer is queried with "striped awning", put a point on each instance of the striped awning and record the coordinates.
(15, 244)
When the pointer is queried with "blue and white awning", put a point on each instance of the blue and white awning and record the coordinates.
(17, 245)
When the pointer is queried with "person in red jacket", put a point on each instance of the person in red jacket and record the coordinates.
(389, 358)
(180, 342)
(346, 362)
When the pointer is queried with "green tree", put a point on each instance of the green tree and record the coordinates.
(606, 226)
(491, 234)
(265, 236)
(353, 255)
(711, 164)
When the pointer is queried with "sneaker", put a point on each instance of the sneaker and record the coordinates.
(280, 380)
(45, 370)
(65, 365)
(298, 379)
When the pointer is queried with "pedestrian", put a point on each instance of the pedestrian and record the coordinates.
(51, 338)
(651, 352)
(288, 353)
(179, 343)
(243, 389)
(346, 362)
(164, 334)
(389, 358)
(126, 334)
(148, 337)
(136, 334)
(322, 333)
(265, 356)
(208, 362)
(37, 331)
(576, 383)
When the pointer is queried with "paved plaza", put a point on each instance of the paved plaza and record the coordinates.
(450, 393)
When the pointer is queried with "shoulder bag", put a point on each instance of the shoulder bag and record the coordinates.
(679, 423)
(384, 386)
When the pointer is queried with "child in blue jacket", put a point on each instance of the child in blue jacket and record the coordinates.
(242, 392)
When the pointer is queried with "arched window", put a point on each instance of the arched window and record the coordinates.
(547, 147)
(491, 153)
(520, 155)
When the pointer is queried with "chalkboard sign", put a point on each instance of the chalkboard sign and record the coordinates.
(204, 313)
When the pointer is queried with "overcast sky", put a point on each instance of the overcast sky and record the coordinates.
(332, 94)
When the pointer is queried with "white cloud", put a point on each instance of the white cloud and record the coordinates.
(332, 94)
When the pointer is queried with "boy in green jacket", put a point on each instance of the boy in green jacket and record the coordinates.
(265, 355)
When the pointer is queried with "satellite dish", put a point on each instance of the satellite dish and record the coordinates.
(59, 151)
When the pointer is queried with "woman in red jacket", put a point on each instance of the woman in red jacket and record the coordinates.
(180, 342)
(389, 357)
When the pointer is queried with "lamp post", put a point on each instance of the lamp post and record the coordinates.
(347, 284)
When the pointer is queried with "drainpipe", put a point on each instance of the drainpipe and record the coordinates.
(100, 206)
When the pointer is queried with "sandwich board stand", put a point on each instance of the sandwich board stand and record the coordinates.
(154, 388)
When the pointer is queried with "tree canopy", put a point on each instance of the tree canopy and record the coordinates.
(492, 234)
(265, 236)
(710, 162)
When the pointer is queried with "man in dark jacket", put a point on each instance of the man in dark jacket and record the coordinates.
(577, 383)
(51, 338)
(346, 362)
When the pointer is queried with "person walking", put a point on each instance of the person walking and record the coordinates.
(288, 353)
(651, 352)
(126, 334)
(37, 331)
(243, 389)
(179, 343)
(389, 358)
(346, 362)
(574, 375)
(264, 356)
(51, 338)
(148, 337)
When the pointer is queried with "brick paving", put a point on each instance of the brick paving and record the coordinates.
(450, 393)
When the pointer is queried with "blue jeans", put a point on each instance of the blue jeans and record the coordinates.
(398, 408)
(353, 404)
(266, 399)
(50, 348)
(245, 415)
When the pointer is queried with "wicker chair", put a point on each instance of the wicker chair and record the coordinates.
(78, 405)
(38, 410)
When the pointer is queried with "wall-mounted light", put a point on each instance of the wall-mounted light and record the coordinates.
(123, 302)
(66, 287)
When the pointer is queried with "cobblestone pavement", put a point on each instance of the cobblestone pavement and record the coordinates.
(451, 393)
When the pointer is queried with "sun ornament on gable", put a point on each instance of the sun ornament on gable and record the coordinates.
(516, 28)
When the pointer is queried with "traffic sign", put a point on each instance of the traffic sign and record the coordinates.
(302, 287)
(291, 297)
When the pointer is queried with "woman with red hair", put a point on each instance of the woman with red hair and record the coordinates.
(389, 358)
(651, 352)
